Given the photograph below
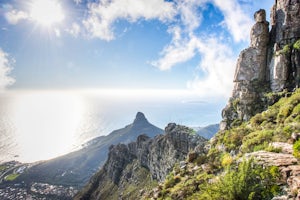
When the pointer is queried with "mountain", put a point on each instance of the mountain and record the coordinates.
(138, 165)
(76, 168)
(256, 153)
(270, 65)
(207, 131)
(256, 160)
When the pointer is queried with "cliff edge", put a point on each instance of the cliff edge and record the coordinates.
(270, 65)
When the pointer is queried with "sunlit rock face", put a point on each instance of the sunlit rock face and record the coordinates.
(270, 64)
(156, 156)
(285, 63)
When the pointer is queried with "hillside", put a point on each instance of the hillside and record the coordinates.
(138, 166)
(256, 153)
(208, 131)
(76, 168)
(255, 159)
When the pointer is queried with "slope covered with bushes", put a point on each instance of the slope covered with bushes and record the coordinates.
(228, 171)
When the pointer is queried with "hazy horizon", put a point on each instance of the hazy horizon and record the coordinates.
(39, 125)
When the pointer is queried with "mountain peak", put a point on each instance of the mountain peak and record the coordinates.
(140, 117)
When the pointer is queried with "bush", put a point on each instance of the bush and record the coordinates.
(285, 50)
(171, 180)
(256, 138)
(248, 181)
(297, 45)
(256, 120)
(226, 160)
(296, 149)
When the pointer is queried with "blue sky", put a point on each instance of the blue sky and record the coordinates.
(124, 44)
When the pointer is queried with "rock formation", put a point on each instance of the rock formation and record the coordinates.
(270, 64)
(155, 157)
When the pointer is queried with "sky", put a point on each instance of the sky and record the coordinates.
(124, 44)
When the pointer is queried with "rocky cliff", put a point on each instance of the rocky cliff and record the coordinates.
(270, 64)
(135, 166)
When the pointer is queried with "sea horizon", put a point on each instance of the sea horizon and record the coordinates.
(43, 124)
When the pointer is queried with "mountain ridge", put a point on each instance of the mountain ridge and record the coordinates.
(256, 154)
(76, 168)
(151, 158)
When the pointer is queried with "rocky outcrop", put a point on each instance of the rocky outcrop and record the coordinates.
(288, 167)
(270, 64)
(273, 159)
(155, 156)
(284, 64)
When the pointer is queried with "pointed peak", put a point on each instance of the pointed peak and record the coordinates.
(140, 117)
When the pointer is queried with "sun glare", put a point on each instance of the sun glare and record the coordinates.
(46, 12)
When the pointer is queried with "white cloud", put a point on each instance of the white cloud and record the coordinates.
(78, 1)
(180, 50)
(14, 16)
(5, 69)
(235, 19)
(57, 32)
(185, 17)
(103, 14)
(218, 64)
(189, 13)
(74, 30)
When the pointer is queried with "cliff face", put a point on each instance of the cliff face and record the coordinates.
(270, 64)
(138, 164)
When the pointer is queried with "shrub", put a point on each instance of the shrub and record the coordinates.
(285, 50)
(296, 149)
(256, 138)
(256, 120)
(271, 148)
(200, 159)
(296, 45)
(248, 181)
(226, 160)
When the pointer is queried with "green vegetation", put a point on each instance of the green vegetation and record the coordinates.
(296, 45)
(285, 50)
(224, 172)
(296, 149)
(249, 181)
(3, 167)
(11, 177)
(276, 124)
(288, 48)
(244, 181)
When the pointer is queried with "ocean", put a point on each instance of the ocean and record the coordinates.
(40, 125)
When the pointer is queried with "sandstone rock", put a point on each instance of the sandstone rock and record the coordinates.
(279, 72)
(285, 147)
(272, 159)
(270, 64)
(283, 197)
(295, 136)
(286, 21)
(250, 74)
(285, 31)
(260, 31)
